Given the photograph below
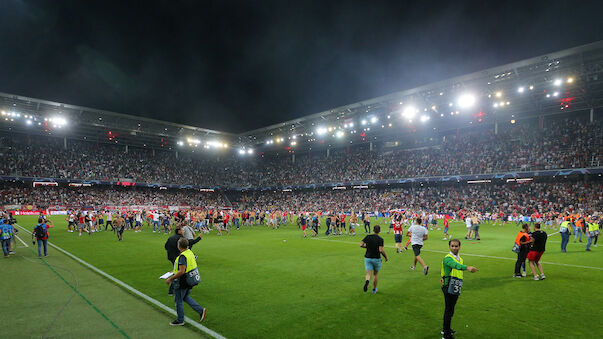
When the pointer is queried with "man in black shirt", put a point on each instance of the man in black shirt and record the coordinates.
(171, 247)
(538, 240)
(372, 258)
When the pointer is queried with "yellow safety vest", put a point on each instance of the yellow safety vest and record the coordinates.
(593, 227)
(191, 263)
(454, 272)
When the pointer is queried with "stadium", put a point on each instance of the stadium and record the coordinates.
(521, 143)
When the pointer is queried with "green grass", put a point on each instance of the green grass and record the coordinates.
(255, 285)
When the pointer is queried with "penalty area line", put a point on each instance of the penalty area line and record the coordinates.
(474, 255)
(140, 294)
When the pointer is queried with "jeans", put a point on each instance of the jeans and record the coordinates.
(577, 230)
(236, 222)
(564, 240)
(521, 258)
(449, 302)
(589, 241)
(183, 295)
(156, 226)
(40, 244)
(5, 246)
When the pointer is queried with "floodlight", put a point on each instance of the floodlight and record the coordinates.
(570, 80)
(424, 118)
(339, 134)
(556, 94)
(520, 89)
(28, 122)
(241, 151)
(557, 82)
(363, 122)
(59, 121)
(250, 151)
(373, 120)
(409, 112)
(498, 94)
(294, 137)
(293, 143)
(531, 88)
(466, 100)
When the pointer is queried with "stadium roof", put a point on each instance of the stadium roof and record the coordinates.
(568, 80)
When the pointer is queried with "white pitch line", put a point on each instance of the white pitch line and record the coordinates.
(155, 302)
(474, 255)
(16, 236)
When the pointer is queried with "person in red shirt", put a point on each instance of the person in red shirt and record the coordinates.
(398, 229)
(446, 225)
(342, 222)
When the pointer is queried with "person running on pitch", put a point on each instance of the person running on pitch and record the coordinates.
(452, 282)
(418, 234)
(372, 258)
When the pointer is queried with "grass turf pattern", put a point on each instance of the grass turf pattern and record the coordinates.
(256, 285)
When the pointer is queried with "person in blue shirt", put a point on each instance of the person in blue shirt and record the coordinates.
(42, 236)
(6, 234)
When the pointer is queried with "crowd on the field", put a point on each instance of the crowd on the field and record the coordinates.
(563, 143)
(98, 196)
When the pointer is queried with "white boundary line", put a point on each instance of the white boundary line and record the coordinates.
(136, 292)
(474, 255)
(16, 236)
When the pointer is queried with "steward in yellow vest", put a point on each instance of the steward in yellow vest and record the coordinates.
(452, 282)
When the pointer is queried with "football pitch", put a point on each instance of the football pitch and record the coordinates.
(259, 283)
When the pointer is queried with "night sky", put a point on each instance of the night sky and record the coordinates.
(237, 66)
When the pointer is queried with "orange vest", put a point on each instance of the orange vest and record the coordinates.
(519, 235)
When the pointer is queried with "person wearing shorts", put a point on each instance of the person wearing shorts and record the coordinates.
(418, 234)
(538, 240)
(81, 223)
(304, 224)
(120, 225)
(372, 258)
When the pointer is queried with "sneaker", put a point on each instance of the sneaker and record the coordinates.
(365, 288)
(542, 277)
(425, 270)
(588, 249)
(203, 315)
(535, 278)
(177, 323)
(523, 274)
(517, 276)
(453, 332)
(412, 268)
(374, 290)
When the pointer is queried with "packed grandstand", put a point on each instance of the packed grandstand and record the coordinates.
(501, 156)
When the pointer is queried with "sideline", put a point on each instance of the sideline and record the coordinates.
(21, 240)
(136, 292)
(471, 255)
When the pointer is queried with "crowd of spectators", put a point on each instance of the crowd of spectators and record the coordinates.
(522, 198)
(564, 143)
(99, 196)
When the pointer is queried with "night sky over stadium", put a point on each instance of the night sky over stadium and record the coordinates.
(237, 66)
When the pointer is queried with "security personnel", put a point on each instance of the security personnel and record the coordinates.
(6, 234)
(564, 230)
(592, 233)
(184, 264)
(452, 282)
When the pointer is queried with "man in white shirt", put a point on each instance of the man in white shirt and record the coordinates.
(418, 234)
(468, 224)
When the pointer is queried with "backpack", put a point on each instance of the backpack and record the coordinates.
(40, 231)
